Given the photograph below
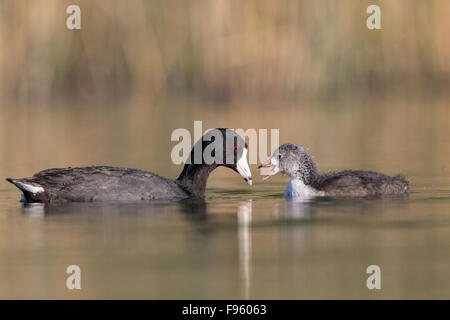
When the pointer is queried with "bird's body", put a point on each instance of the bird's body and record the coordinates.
(348, 183)
(306, 182)
(97, 183)
(103, 183)
(296, 189)
(360, 183)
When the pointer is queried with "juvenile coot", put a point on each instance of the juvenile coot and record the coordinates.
(101, 183)
(307, 182)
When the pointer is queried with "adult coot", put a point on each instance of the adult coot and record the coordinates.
(218, 147)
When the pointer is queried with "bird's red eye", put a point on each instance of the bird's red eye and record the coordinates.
(235, 148)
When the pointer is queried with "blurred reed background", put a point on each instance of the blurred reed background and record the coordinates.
(221, 50)
(112, 92)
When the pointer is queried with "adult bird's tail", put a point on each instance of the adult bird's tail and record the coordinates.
(32, 191)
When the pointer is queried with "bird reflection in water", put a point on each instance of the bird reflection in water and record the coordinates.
(300, 209)
(244, 216)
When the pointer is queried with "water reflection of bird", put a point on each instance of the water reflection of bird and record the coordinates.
(293, 210)
(101, 183)
(244, 216)
(307, 182)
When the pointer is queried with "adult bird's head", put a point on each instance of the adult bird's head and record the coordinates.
(218, 147)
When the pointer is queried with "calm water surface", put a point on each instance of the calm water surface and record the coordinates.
(242, 242)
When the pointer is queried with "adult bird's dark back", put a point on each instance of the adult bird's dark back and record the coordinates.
(218, 147)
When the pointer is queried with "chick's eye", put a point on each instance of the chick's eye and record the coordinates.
(279, 157)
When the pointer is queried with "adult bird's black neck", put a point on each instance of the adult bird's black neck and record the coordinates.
(193, 178)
